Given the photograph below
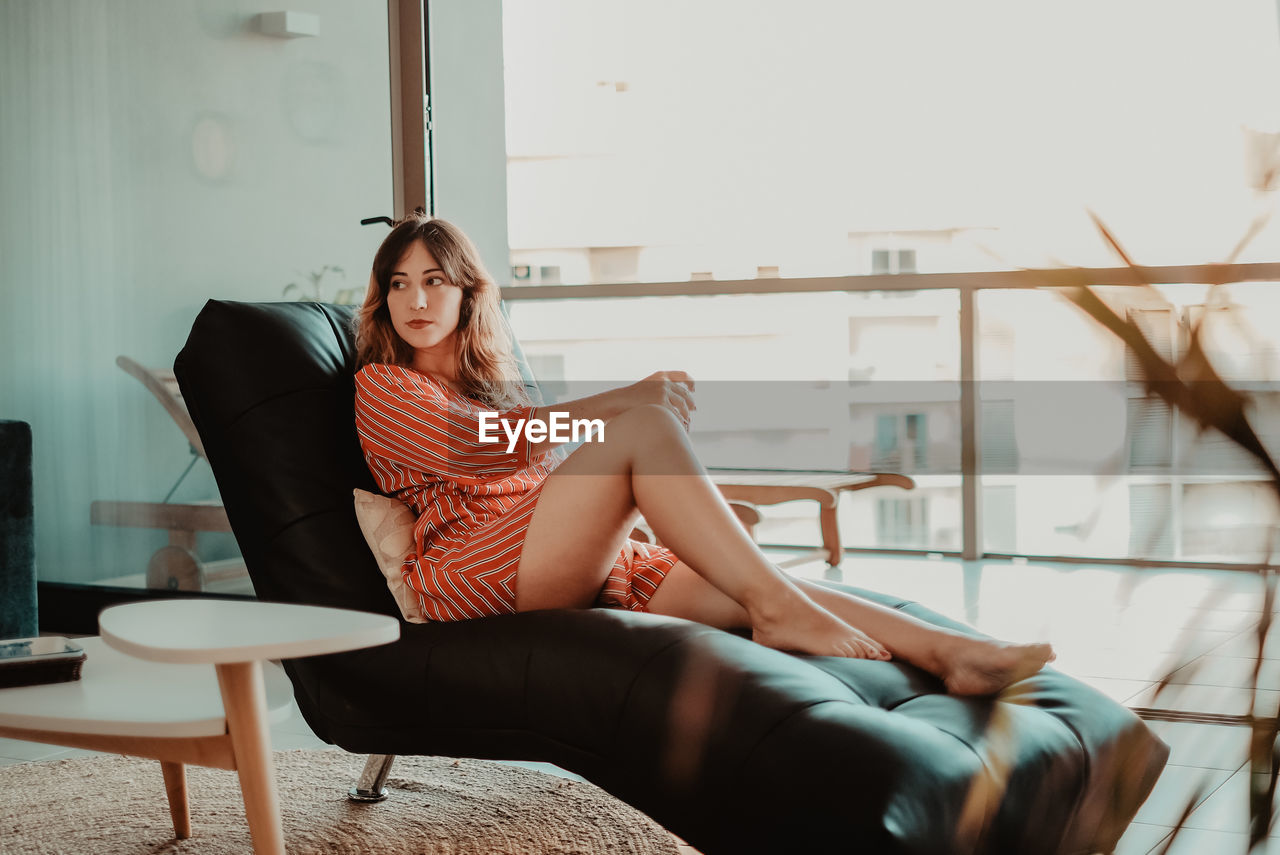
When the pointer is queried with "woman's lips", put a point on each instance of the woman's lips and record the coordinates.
(417, 325)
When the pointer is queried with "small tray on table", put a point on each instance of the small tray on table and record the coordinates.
(32, 661)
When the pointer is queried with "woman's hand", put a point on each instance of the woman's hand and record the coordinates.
(670, 389)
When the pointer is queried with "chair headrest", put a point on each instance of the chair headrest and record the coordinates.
(270, 387)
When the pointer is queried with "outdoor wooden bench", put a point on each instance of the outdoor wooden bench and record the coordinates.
(754, 487)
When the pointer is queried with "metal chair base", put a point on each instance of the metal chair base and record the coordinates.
(370, 786)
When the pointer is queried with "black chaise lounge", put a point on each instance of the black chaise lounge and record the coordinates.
(736, 748)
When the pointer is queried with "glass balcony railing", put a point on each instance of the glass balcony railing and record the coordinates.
(1072, 458)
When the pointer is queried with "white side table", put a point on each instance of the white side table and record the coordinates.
(201, 697)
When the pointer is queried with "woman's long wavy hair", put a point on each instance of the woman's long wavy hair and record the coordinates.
(487, 369)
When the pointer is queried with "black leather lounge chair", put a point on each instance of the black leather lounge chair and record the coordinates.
(737, 748)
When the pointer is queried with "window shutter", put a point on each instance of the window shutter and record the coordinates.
(1157, 326)
(879, 261)
(1150, 429)
(1150, 521)
(999, 445)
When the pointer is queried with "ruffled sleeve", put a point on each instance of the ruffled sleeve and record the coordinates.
(413, 420)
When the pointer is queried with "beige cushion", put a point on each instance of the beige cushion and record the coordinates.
(388, 529)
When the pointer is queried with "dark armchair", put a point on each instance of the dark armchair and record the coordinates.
(737, 748)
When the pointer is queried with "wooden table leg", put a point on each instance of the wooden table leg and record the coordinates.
(175, 787)
(244, 699)
(831, 534)
(747, 514)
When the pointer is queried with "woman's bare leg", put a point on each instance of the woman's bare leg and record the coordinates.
(590, 503)
(968, 665)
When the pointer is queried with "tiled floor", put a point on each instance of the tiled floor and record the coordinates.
(1119, 629)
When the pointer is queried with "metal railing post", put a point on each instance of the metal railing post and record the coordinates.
(970, 453)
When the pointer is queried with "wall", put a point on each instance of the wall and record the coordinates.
(154, 154)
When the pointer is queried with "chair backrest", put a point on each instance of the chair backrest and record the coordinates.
(526, 373)
(270, 388)
(164, 386)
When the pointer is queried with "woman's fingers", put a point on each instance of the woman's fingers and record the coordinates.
(678, 404)
(681, 394)
(681, 377)
(685, 392)
(670, 389)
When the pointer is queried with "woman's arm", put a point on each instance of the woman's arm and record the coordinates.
(672, 390)
(408, 419)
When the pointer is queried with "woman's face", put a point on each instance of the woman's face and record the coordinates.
(423, 303)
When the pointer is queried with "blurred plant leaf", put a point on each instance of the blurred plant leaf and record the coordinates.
(1197, 797)
(296, 292)
(1265, 726)
(1192, 386)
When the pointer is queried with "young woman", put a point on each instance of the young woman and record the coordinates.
(508, 526)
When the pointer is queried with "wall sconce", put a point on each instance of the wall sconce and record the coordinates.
(288, 25)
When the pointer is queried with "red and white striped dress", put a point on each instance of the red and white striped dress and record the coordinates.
(473, 500)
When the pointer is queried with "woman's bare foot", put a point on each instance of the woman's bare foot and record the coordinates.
(796, 623)
(976, 666)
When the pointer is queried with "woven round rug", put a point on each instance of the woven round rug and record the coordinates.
(113, 805)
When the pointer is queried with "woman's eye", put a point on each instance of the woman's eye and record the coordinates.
(396, 286)
(435, 280)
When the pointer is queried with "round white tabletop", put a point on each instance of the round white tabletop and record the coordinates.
(120, 695)
(224, 631)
